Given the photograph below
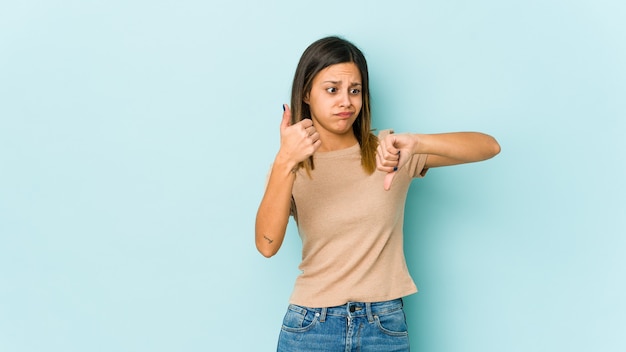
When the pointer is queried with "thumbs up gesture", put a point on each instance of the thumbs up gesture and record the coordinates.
(298, 141)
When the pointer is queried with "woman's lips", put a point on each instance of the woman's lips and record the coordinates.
(344, 115)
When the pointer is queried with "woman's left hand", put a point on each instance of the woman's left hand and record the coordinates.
(393, 152)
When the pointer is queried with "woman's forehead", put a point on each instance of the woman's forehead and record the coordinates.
(347, 71)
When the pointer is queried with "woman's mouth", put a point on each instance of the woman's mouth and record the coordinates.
(344, 115)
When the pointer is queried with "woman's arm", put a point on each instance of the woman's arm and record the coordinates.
(273, 214)
(455, 148)
(297, 142)
(395, 150)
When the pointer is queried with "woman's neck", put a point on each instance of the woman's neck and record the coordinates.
(334, 142)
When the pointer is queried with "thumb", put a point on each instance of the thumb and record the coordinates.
(286, 121)
(388, 179)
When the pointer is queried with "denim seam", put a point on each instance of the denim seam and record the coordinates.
(302, 329)
(389, 332)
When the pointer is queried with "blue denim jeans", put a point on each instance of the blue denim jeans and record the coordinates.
(355, 326)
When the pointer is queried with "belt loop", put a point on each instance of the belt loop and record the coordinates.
(323, 315)
(368, 310)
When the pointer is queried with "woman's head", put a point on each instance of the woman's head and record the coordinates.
(320, 55)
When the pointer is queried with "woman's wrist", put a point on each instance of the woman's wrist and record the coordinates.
(417, 140)
(283, 164)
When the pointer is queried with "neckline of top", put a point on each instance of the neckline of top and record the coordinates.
(340, 152)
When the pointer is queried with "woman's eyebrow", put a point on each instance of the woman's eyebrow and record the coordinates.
(339, 82)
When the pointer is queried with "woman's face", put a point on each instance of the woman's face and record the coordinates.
(335, 99)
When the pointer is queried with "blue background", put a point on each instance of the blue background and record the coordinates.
(135, 137)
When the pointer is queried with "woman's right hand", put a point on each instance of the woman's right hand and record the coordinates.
(298, 141)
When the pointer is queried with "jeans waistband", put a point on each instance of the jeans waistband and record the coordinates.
(356, 309)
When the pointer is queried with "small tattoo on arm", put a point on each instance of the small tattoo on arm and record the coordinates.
(268, 239)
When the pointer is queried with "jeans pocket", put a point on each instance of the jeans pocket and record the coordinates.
(299, 319)
(393, 323)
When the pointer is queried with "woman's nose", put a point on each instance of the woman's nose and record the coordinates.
(345, 99)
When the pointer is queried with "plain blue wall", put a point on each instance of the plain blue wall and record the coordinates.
(135, 137)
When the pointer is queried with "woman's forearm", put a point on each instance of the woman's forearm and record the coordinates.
(273, 214)
(465, 147)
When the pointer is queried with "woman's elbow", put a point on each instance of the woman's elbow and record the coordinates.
(265, 249)
(490, 147)
(267, 253)
(495, 147)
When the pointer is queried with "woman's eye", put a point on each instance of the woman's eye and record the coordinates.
(331, 90)
(355, 91)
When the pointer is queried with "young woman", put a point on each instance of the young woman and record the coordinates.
(346, 189)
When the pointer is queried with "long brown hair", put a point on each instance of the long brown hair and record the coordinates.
(319, 55)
